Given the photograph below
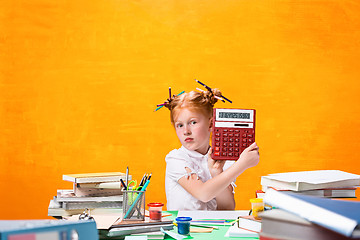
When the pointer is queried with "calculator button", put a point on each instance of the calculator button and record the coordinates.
(250, 135)
(231, 154)
(217, 134)
(244, 145)
(231, 139)
(225, 139)
(225, 134)
(231, 144)
(225, 130)
(236, 149)
(231, 134)
(231, 149)
(244, 140)
(224, 154)
(237, 145)
(244, 135)
(231, 130)
(217, 149)
(225, 144)
(250, 140)
(237, 140)
(217, 144)
(224, 149)
(237, 135)
(217, 139)
(216, 154)
(236, 154)
(237, 130)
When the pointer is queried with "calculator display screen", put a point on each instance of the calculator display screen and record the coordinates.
(238, 115)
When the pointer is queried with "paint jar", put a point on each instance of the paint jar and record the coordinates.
(155, 211)
(183, 225)
(257, 206)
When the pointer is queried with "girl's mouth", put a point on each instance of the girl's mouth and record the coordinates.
(189, 139)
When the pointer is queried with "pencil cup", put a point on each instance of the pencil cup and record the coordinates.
(155, 211)
(133, 205)
(183, 225)
(257, 206)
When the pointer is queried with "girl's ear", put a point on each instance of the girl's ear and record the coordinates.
(211, 123)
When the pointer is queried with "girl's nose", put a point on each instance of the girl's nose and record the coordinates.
(187, 130)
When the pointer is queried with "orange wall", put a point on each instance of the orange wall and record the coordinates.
(79, 81)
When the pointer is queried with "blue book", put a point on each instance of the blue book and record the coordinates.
(47, 230)
(337, 215)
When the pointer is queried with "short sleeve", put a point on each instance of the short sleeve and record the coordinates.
(175, 166)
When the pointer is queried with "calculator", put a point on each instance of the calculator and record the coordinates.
(233, 131)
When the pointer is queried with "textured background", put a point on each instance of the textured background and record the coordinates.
(79, 82)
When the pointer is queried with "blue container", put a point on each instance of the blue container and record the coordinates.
(183, 224)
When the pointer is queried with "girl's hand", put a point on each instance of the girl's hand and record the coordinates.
(250, 156)
(215, 166)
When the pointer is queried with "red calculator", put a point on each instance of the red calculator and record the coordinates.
(233, 131)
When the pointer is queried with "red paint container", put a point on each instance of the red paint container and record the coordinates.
(155, 211)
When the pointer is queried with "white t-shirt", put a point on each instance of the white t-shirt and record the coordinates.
(177, 197)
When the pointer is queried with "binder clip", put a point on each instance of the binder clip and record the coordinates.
(86, 215)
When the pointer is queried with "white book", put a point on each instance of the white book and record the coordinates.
(340, 216)
(235, 231)
(249, 223)
(118, 198)
(95, 177)
(307, 180)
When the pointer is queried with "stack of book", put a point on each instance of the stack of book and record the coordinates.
(321, 183)
(95, 191)
(145, 228)
(306, 217)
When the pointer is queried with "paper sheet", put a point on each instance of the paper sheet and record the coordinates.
(195, 215)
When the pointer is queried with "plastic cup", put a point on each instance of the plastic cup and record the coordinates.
(183, 225)
(257, 205)
(155, 211)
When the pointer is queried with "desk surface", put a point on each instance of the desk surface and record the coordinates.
(216, 234)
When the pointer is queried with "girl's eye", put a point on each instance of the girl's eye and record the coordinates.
(193, 122)
(179, 125)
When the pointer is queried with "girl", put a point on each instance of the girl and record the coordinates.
(194, 181)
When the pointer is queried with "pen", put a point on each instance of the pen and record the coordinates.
(149, 177)
(204, 226)
(127, 176)
(122, 183)
(142, 180)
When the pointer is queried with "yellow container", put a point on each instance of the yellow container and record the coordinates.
(257, 205)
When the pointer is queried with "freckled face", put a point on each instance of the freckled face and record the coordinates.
(193, 130)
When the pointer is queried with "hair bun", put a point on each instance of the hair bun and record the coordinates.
(212, 96)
